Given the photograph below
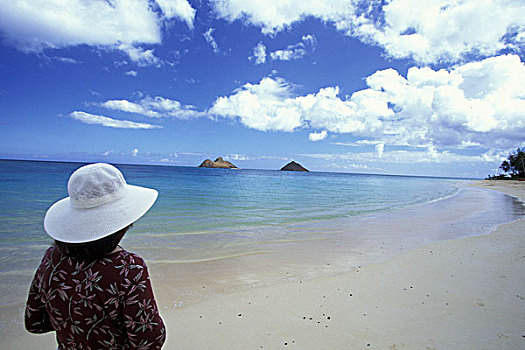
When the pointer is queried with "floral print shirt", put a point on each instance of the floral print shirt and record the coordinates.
(104, 304)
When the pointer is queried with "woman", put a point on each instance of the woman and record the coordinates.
(90, 291)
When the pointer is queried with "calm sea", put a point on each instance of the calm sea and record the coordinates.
(202, 213)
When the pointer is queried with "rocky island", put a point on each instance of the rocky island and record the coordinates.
(293, 166)
(218, 163)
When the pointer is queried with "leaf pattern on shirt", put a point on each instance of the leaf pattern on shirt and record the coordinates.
(104, 304)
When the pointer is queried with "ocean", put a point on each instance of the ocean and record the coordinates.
(204, 214)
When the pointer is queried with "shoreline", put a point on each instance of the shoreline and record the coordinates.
(383, 310)
(350, 244)
(465, 293)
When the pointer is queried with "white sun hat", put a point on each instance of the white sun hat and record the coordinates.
(100, 203)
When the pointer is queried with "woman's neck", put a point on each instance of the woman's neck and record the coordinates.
(117, 249)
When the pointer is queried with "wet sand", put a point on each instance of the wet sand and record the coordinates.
(461, 294)
(466, 293)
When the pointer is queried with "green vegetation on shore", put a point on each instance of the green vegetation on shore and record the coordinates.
(513, 167)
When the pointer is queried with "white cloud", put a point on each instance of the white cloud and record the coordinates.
(317, 136)
(237, 157)
(292, 52)
(208, 35)
(270, 105)
(477, 104)
(446, 30)
(430, 31)
(262, 106)
(367, 142)
(93, 119)
(357, 143)
(134, 152)
(259, 54)
(178, 9)
(349, 167)
(35, 25)
(140, 56)
(154, 107)
(380, 149)
(130, 107)
(169, 161)
(309, 39)
(427, 155)
(131, 73)
(68, 60)
(274, 16)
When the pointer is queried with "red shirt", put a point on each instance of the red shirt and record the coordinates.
(105, 304)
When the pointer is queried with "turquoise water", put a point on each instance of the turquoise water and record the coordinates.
(197, 200)
(213, 214)
(201, 213)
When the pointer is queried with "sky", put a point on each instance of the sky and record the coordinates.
(434, 88)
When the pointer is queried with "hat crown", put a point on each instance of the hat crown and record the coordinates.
(96, 184)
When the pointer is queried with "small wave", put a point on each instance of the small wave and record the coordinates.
(216, 258)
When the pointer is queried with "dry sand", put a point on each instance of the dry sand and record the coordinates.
(459, 294)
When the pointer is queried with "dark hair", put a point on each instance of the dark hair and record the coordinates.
(94, 250)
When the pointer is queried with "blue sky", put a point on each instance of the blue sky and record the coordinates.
(393, 87)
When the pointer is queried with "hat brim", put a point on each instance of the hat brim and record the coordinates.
(65, 223)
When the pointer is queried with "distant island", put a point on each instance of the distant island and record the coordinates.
(293, 166)
(218, 163)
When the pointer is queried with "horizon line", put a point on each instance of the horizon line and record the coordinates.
(259, 169)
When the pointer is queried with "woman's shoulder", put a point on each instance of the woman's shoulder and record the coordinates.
(50, 253)
(52, 249)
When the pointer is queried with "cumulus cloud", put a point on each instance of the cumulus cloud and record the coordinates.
(35, 25)
(270, 105)
(208, 35)
(154, 107)
(435, 31)
(131, 73)
(444, 30)
(476, 104)
(259, 54)
(274, 16)
(317, 136)
(264, 106)
(93, 119)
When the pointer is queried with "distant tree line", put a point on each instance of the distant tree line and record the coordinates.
(513, 167)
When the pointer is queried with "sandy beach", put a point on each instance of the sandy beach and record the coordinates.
(465, 293)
